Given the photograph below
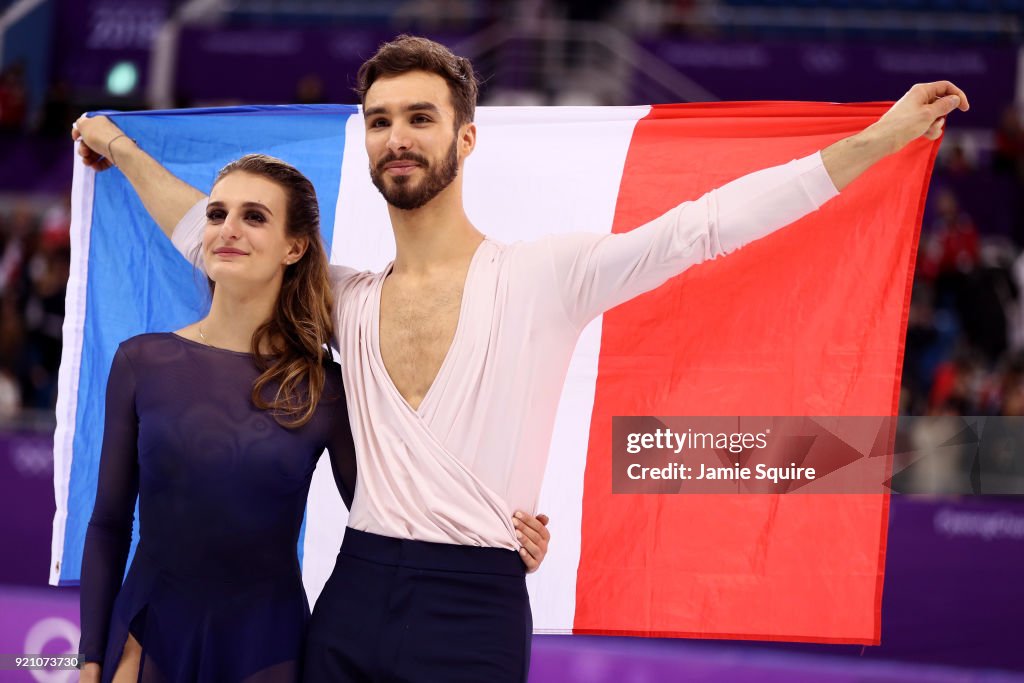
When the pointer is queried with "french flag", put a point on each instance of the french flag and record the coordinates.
(807, 321)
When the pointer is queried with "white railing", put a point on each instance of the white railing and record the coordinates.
(583, 58)
(555, 58)
(12, 15)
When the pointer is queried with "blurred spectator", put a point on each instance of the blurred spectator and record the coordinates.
(988, 298)
(1011, 398)
(10, 350)
(44, 319)
(16, 245)
(955, 384)
(309, 90)
(13, 99)
(956, 163)
(956, 235)
(1008, 156)
(10, 400)
(1016, 316)
(931, 336)
(950, 251)
(58, 112)
(34, 264)
(10, 396)
(55, 226)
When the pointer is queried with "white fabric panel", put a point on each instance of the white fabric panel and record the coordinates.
(82, 185)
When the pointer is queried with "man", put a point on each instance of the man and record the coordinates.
(455, 356)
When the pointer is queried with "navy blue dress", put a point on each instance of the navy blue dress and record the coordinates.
(214, 592)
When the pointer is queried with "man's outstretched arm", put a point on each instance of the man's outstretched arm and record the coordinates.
(921, 112)
(166, 197)
(595, 273)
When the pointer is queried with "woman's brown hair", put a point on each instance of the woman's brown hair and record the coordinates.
(298, 333)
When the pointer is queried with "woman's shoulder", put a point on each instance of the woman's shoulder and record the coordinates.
(141, 345)
(159, 348)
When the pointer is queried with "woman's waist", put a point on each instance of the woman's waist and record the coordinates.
(224, 561)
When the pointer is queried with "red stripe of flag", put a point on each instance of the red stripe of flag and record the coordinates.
(809, 321)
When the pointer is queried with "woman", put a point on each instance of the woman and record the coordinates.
(217, 428)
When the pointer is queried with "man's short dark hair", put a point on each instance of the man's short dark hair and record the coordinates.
(412, 53)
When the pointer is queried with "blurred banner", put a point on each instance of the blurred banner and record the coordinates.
(26, 504)
(103, 43)
(228, 64)
(845, 71)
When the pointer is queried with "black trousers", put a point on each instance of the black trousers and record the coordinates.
(397, 610)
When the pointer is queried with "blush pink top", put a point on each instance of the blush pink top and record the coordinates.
(475, 450)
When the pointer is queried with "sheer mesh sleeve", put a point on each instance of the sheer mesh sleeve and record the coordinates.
(340, 444)
(109, 536)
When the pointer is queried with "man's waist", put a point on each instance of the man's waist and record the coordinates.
(416, 554)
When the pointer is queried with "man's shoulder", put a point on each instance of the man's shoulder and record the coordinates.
(351, 287)
(541, 249)
(348, 277)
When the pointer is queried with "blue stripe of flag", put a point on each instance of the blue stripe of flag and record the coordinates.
(137, 281)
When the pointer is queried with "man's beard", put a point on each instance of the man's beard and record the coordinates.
(400, 194)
